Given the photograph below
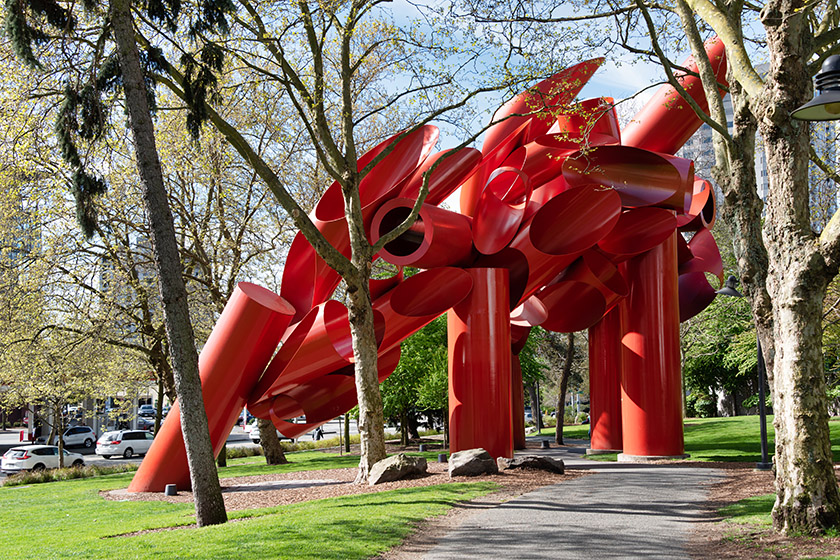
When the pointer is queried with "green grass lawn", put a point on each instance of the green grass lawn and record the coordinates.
(70, 520)
(717, 439)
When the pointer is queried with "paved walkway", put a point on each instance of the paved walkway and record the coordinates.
(620, 511)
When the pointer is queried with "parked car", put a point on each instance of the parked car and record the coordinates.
(127, 443)
(145, 423)
(37, 458)
(146, 410)
(77, 435)
(254, 432)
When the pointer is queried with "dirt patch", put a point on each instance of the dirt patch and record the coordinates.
(717, 538)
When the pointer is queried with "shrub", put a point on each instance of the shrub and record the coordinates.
(54, 475)
(243, 451)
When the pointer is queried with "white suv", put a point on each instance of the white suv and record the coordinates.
(127, 443)
(77, 435)
(37, 458)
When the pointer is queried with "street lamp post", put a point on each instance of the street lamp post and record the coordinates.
(765, 464)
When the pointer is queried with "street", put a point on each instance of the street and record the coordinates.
(237, 437)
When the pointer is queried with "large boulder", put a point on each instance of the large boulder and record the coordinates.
(396, 467)
(538, 462)
(471, 462)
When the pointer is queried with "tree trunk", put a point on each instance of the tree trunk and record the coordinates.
(807, 498)
(270, 443)
(159, 408)
(209, 504)
(446, 429)
(371, 420)
(59, 426)
(535, 404)
(564, 384)
(404, 429)
(347, 432)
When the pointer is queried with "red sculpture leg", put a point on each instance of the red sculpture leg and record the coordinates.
(605, 383)
(232, 360)
(480, 366)
(651, 384)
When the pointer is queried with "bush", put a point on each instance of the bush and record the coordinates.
(54, 475)
(699, 405)
(243, 451)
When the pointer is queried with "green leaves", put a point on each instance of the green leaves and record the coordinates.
(23, 35)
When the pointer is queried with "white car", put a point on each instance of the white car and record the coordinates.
(127, 443)
(37, 458)
(254, 433)
(77, 435)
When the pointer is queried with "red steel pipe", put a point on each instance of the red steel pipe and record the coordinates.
(651, 384)
(605, 367)
(234, 356)
(480, 389)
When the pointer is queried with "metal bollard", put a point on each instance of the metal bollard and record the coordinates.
(545, 444)
(170, 490)
(442, 457)
(422, 447)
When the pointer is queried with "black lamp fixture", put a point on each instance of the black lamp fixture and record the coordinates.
(764, 464)
(825, 106)
(729, 288)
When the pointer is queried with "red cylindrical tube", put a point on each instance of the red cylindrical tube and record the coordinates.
(651, 384)
(480, 367)
(234, 356)
(605, 382)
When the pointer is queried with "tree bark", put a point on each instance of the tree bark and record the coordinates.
(564, 385)
(807, 498)
(209, 505)
(371, 419)
(270, 443)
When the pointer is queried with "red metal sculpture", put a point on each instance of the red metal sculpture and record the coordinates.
(567, 222)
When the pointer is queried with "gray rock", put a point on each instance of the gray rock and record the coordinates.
(396, 467)
(538, 462)
(471, 462)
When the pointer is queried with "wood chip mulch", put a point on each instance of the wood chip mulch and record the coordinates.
(270, 490)
(717, 538)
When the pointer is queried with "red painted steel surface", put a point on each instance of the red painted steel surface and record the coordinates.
(706, 255)
(651, 384)
(555, 205)
(418, 301)
(500, 209)
(593, 122)
(605, 366)
(544, 100)
(446, 177)
(666, 122)
(702, 212)
(478, 329)
(438, 237)
(232, 360)
(640, 177)
(638, 230)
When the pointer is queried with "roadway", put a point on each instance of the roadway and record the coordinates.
(237, 437)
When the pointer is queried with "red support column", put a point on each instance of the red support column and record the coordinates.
(480, 366)
(605, 365)
(651, 384)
